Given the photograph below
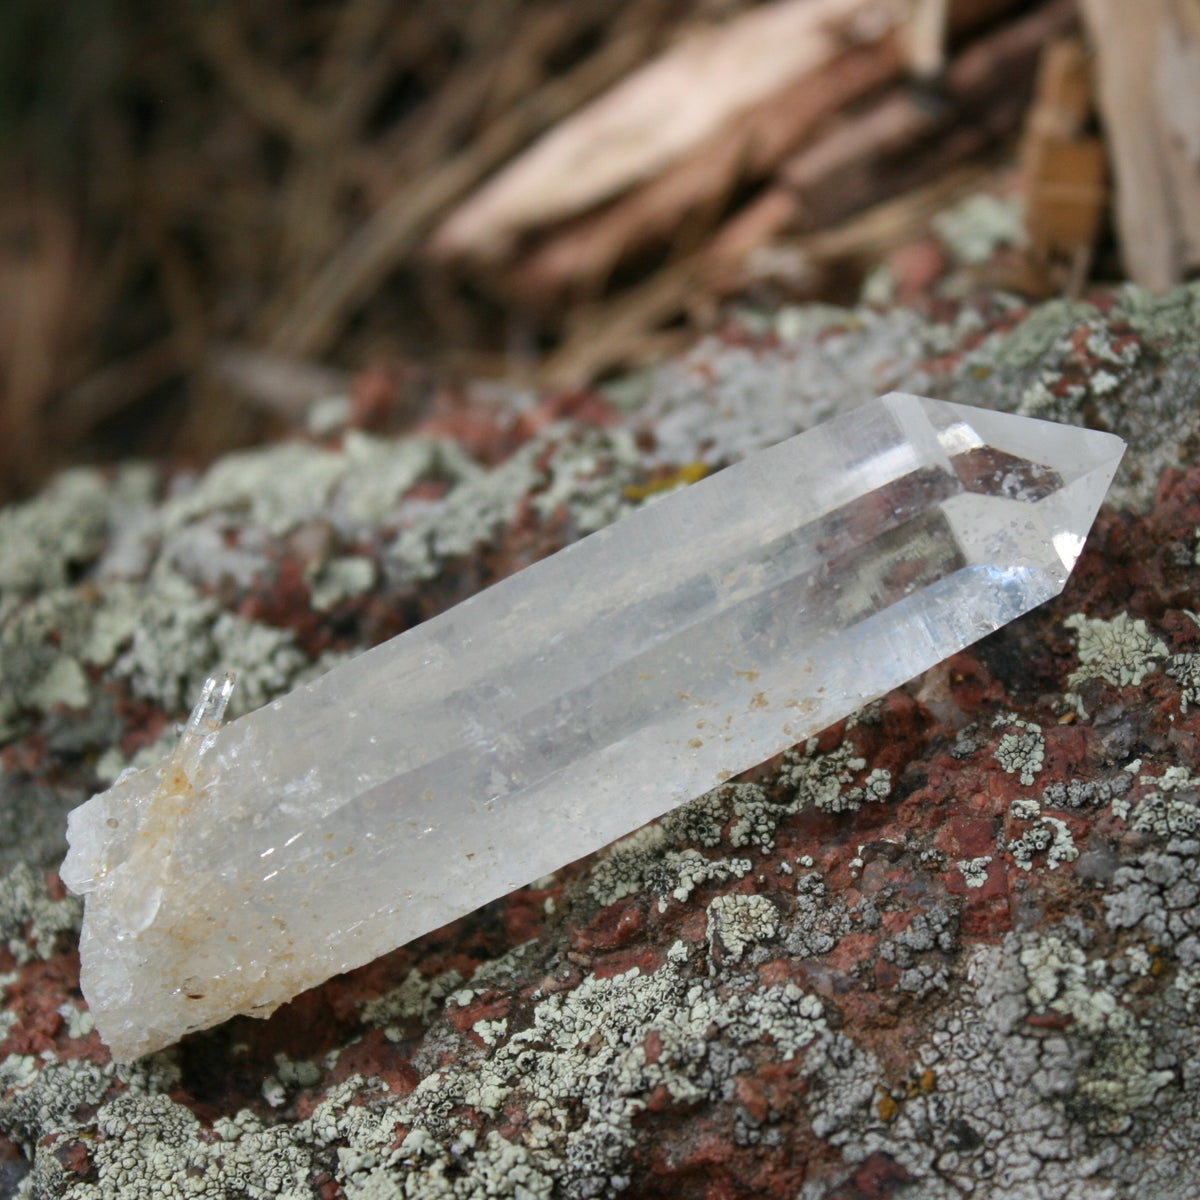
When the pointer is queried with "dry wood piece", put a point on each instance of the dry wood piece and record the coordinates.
(580, 257)
(905, 138)
(922, 25)
(893, 147)
(1065, 171)
(682, 204)
(1148, 75)
(656, 116)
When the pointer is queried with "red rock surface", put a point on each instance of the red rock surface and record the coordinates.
(975, 986)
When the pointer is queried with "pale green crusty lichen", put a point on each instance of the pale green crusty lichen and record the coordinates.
(31, 922)
(46, 541)
(665, 858)
(416, 996)
(1119, 1077)
(160, 585)
(1170, 807)
(1122, 651)
(826, 781)
(579, 1069)
(1022, 748)
(1129, 368)
(41, 664)
(646, 861)
(975, 229)
(160, 635)
(737, 922)
(974, 870)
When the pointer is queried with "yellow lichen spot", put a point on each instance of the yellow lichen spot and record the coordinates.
(758, 700)
(925, 1083)
(748, 676)
(692, 473)
(695, 743)
(886, 1106)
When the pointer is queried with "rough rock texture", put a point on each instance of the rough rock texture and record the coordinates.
(951, 948)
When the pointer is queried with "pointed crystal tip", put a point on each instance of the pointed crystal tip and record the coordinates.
(1062, 471)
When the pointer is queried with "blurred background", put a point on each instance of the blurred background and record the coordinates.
(215, 215)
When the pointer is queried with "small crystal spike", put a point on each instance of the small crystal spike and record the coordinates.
(567, 705)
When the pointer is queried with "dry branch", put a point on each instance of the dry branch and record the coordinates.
(395, 230)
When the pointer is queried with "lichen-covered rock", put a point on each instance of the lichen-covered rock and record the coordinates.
(948, 949)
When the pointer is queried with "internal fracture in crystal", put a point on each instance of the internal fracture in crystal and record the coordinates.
(566, 706)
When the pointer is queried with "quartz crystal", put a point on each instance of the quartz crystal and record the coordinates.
(566, 706)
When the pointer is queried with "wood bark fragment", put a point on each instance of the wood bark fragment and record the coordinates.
(1148, 73)
(581, 256)
(1065, 172)
(654, 118)
(577, 259)
(923, 25)
(894, 147)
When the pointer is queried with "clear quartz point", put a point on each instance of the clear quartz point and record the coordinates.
(566, 706)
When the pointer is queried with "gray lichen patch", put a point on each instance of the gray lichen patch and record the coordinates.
(414, 997)
(826, 781)
(645, 861)
(925, 950)
(1010, 1107)
(161, 636)
(975, 229)
(737, 923)
(719, 402)
(1049, 839)
(1122, 651)
(1088, 793)
(175, 638)
(46, 542)
(576, 476)
(41, 645)
(277, 489)
(1156, 896)
(1022, 748)
(665, 858)
(818, 920)
(153, 1146)
(1118, 1074)
(31, 922)
(582, 1066)
(974, 870)
(1170, 807)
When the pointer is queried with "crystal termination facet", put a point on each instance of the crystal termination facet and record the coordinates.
(568, 705)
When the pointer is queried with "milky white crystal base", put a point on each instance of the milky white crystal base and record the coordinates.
(567, 705)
